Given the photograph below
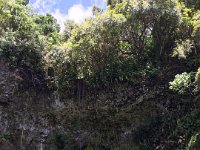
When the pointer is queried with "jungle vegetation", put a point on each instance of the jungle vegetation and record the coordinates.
(144, 47)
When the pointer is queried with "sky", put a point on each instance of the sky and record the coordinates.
(62, 10)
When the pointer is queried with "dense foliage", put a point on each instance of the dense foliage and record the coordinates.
(151, 45)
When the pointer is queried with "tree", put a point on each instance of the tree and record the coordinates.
(95, 45)
(112, 3)
(192, 3)
(69, 26)
(47, 24)
(23, 2)
(48, 27)
(96, 10)
(20, 41)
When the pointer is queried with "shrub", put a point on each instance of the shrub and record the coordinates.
(182, 82)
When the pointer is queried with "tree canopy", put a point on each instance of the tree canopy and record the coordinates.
(152, 46)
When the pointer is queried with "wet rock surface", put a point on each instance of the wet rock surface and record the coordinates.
(37, 120)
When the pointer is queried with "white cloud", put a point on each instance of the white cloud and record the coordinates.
(77, 12)
(43, 6)
(60, 18)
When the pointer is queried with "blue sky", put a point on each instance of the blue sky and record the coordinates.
(62, 10)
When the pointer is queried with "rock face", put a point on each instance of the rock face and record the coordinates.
(22, 113)
(8, 84)
(6, 146)
(28, 118)
(36, 120)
